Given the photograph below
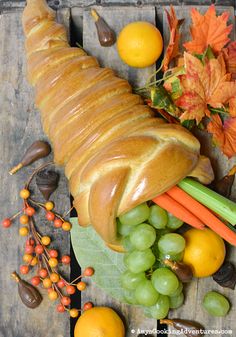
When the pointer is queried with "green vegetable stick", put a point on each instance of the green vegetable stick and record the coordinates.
(214, 201)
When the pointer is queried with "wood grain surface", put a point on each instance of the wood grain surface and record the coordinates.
(20, 126)
(8, 4)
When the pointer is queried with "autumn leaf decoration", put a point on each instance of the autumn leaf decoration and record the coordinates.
(224, 134)
(208, 30)
(205, 85)
(172, 49)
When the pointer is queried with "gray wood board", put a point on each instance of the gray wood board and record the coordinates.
(7, 4)
(20, 126)
(195, 291)
(117, 18)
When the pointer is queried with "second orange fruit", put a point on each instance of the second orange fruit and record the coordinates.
(204, 251)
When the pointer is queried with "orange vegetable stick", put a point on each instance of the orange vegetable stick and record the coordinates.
(179, 211)
(203, 213)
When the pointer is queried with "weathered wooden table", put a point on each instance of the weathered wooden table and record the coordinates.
(20, 126)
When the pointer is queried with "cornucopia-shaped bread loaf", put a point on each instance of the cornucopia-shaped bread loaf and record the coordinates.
(116, 154)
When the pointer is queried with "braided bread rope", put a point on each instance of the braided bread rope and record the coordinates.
(116, 154)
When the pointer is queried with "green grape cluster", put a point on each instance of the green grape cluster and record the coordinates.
(149, 239)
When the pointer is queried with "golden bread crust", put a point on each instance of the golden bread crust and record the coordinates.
(116, 154)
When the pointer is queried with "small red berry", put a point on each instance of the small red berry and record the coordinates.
(53, 253)
(65, 259)
(6, 223)
(35, 280)
(43, 273)
(65, 300)
(87, 306)
(50, 216)
(29, 249)
(70, 290)
(57, 223)
(24, 269)
(81, 286)
(30, 242)
(61, 283)
(30, 211)
(61, 308)
(39, 249)
(89, 271)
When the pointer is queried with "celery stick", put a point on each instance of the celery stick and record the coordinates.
(212, 200)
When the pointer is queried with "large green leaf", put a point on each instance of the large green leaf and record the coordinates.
(90, 250)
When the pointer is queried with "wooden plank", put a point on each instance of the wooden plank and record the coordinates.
(72, 3)
(20, 126)
(117, 18)
(195, 291)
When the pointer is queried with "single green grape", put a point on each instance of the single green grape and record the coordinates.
(160, 309)
(127, 244)
(143, 236)
(178, 290)
(145, 293)
(171, 243)
(123, 229)
(129, 297)
(165, 281)
(135, 216)
(130, 280)
(176, 301)
(216, 304)
(158, 217)
(139, 261)
(172, 257)
(173, 222)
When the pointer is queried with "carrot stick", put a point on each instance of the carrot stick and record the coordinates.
(203, 213)
(180, 212)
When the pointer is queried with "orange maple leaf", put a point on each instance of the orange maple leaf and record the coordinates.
(208, 30)
(205, 84)
(172, 49)
(224, 134)
(230, 58)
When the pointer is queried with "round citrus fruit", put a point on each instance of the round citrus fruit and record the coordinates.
(140, 44)
(204, 251)
(99, 322)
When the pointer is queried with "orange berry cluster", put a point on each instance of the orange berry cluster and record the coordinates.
(38, 253)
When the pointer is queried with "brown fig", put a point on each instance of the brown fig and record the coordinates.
(189, 328)
(224, 185)
(37, 150)
(106, 35)
(182, 270)
(47, 182)
(29, 295)
(226, 275)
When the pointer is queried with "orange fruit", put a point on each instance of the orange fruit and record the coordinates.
(99, 322)
(204, 251)
(139, 44)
